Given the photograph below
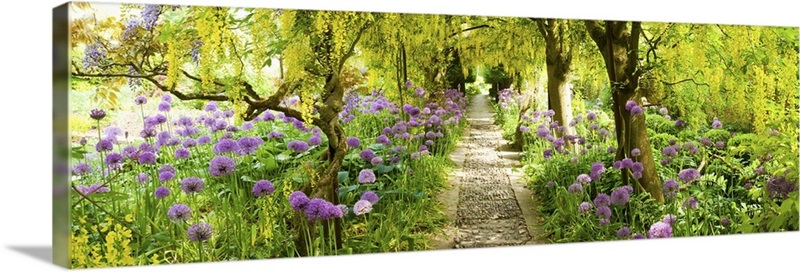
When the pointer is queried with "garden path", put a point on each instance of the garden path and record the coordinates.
(487, 201)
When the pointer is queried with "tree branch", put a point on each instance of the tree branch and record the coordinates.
(469, 29)
(684, 80)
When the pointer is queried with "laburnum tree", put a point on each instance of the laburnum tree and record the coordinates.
(216, 54)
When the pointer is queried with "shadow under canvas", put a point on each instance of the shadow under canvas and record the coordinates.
(42, 253)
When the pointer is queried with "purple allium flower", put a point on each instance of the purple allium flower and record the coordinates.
(680, 123)
(82, 169)
(524, 129)
(585, 207)
(263, 187)
(370, 196)
(409, 84)
(604, 212)
(97, 114)
(705, 141)
(367, 155)
(779, 187)
(591, 116)
(760, 170)
(275, 135)
(211, 106)
(182, 153)
(376, 160)
(318, 208)
(547, 153)
(630, 104)
(637, 167)
(620, 196)
(663, 111)
(415, 155)
(575, 188)
(314, 140)
(716, 123)
(618, 165)
(602, 200)
(179, 212)
(550, 184)
(192, 185)
(298, 146)
(114, 160)
(343, 208)
(383, 140)
(688, 175)
(748, 186)
(366, 176)
(146, 157)
(690, 203)
(573, 159)
(638, 236)
(604, 133)
(660, 230)
(82, 141)
(635, 152)
(542, 132)
(92, 189)
(228, 113)
(720, 145)
(597, 170)
(143, 177)
(664, 161)
(669, 152)
(636, 110)
(670, 189)
(298, 200)
(362, 207)
(623, 233)
(221, 165)
(248, 145)
(725, 222)
(166, 176)
(353, 142)
(199, 232)
(164, 106)
(162, 192)
(636, 174)
(104, 145)
(669, 219)
(140, 100)
(583, 179)
(203, 140)
(627, 163)
(419, 92)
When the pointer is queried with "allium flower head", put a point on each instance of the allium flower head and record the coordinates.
(221, 165)
(343, 208)
(143, 177)
(104, 145)
(318, 209)
(725, 222)
(602, 200)
(688, 175)
(670, 189)
(779, 187)
(366, 176)
(263, 187)
(583, 179)
(669, 152)
(182, 153)
(97, 114)
(146, 157)
(663, 111)
(636, 110)
(623, 233)
(314, 140)
(367, 155)
(211, 106)
(597, 170)
(353, 142)
(114, 160)
(249, 145)
(660, 230)
(376, 160)
(720, 145)
(604, 212)
(627, 163)
(162, 192)
(575, 188)
(165, 176)
(716, 123)
(620, 196)
(690, 203)
(638, 236)
(585, 207)
(298, 200)
(199, 232)
(179, 212)
(637, 167)
(630, 104)
(669, 219)
(362, 207)
(192, 185)
(635, 152)
(298, 146)
(82, 169)
(370, 196)
(164, 106)
(140, 100)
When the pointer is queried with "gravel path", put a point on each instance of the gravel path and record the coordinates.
(487, 201)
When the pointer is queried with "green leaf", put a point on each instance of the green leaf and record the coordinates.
(343, 176)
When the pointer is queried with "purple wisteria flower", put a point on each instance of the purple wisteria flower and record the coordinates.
(162, 192)
(263, 187)
(298, 200)
(179, 212)
(660, 230)
(366, 176)
(199, 232)
(362, 207)
(221, 165)
(620, 196)
(670, 189)
(370, 196)
(623, 233)
(688, 175)
(297, 146)
(192, 185)
(602, 200)
(575, 188)
(585, 207)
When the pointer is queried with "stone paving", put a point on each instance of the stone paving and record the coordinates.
(488, 213)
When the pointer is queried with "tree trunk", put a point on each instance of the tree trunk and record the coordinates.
(619, 48)
(559, 97)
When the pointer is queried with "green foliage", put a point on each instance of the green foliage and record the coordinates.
(717, 135)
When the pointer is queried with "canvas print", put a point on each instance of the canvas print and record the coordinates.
(206, 134)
